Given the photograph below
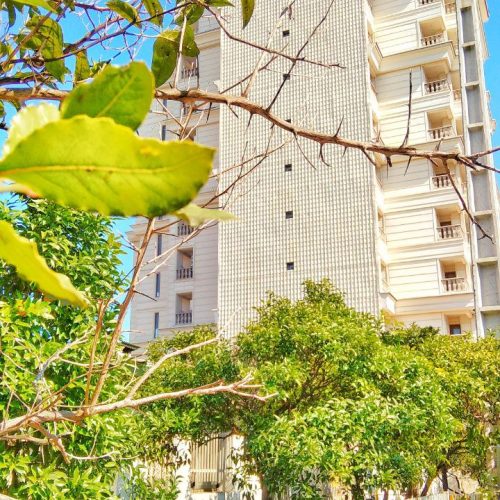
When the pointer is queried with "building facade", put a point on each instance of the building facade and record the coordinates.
(395, 238)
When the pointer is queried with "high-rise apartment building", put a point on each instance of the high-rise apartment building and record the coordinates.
(394, 238)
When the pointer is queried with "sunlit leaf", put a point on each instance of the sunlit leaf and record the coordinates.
(82, 67)
(195, 215)
(123, 93)
(155, 9)
(105, 167)
(123, 9)
(26, 121)
(36, 3)
(31, 266)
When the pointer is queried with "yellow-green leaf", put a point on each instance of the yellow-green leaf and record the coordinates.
(155, 9)
(123, 93)
(36, 3)
(82, 66)
(123, 9)
(26, 121)
(31, 266)
(95, 164)
(195, 215)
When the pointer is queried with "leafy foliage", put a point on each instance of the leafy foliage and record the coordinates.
(33, 329)
(356, 406)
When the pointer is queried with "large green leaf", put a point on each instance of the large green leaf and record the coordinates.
(95, 164)
(189, 47)
(49, 40)
(123, 9)
(247, 8)
(26, 121)
(154, 8)
(31, 266)
(123, 93)
(165, 52)
(195, 215)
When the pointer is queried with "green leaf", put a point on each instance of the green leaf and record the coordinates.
(28, 120)
(49, 40)
(247, 8)
(124, 10)
(192, 13)
(122, 93)
(36, 3)
(195, 215)
(82, 67)
(154, 8)
(165, 52)
(105, 167)
(31, 266)
(189, 47)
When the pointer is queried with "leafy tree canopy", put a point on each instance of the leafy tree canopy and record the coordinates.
(356, 406)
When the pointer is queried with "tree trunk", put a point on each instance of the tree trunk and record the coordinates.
(357, 491)
(444, 477)
(426, 487)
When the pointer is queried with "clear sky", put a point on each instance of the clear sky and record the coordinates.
(493, 66)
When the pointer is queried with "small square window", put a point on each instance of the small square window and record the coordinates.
(455, 330)
(290, 266)
(288, 167)
(286, 76)
(289, 214)
(289, 120)
(286, 33)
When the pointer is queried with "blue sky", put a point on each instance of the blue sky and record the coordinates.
(493, 66)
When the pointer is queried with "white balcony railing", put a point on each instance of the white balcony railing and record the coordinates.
(183, 229)
(184, 318)
(184, 273)
(453, 285)
(438, 133)
(437, 86)
(435, 39)
(441, 181)
(451, 232)
(189, 71)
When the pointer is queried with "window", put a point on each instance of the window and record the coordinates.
(286, 33)
(163, 132)
(289, 120)
(456, 329)
(289, 214)
(288, 167)
(157, 325)
(286, 76)
(157, 284)
(450, 275)
(290, 266)
(159, 245)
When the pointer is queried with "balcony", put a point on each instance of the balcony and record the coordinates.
(450, 232)
(454, 285)
(190, 70)
(441, 181)
(183, 229)
(184, 273)
(439, 133)
(184, 318)
(437, 86)
(437, 38)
